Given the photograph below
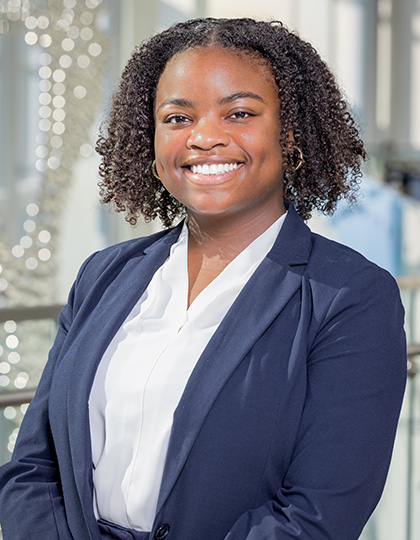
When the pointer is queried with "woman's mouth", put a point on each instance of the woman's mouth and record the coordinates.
(213, 168)
(212, 174)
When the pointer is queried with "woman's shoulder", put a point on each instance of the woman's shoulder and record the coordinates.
(333, 252)
(106, 264)
(112, 265)
(339, 266)
(130, 248)
(326, 261)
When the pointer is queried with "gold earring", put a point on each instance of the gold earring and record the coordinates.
(154, 171)
(300, 160)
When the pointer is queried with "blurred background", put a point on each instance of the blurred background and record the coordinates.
(60, 61)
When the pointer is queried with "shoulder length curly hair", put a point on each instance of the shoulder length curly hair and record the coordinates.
(311, 107)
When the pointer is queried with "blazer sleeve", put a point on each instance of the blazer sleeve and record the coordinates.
(31, 502)
(356, 378)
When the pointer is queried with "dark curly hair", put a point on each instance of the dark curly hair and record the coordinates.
(311, 107)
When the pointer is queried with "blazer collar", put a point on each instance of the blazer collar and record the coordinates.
(293, 244)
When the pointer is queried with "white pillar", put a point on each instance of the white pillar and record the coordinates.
(402, 100)
(414, 29)
(348, 49)
(138, 21)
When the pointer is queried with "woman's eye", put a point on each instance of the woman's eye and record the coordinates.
(241, 114)
(177, 119)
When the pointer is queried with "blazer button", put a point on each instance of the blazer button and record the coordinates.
(162, 532)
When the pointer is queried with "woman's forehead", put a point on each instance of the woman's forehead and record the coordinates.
(217, 68)
(214, 50)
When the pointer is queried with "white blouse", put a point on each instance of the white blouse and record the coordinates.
(143, 373)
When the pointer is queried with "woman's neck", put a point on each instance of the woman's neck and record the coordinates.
(227, 237)
(213, 244)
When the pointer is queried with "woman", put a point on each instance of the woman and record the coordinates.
(235, 377)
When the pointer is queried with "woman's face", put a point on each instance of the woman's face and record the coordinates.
(217, 138)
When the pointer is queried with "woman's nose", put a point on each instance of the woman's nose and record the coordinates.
(206, 134)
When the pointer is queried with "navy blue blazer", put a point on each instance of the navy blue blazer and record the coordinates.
(285, 428)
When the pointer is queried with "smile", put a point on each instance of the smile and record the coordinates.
(219, 168)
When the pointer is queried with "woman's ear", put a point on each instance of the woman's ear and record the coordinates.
(290, 138)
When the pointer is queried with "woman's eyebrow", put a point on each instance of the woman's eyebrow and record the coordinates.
(176, 101)
(239, 95)
(180, 102)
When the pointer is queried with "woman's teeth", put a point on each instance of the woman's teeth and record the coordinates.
(213, 168)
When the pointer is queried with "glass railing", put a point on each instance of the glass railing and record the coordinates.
(397, 514)
(26, 335)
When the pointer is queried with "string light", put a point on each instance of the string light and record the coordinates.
(64, 42)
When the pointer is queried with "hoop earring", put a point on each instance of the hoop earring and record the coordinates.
(300, 158)
(154, 171)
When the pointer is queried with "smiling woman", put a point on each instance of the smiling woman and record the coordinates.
(238, 377)
(224, 123)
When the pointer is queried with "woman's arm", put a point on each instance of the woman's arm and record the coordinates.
(356, 380)
(31, 502)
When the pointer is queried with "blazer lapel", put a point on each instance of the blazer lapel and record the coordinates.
(93, 337)
(262, 299)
